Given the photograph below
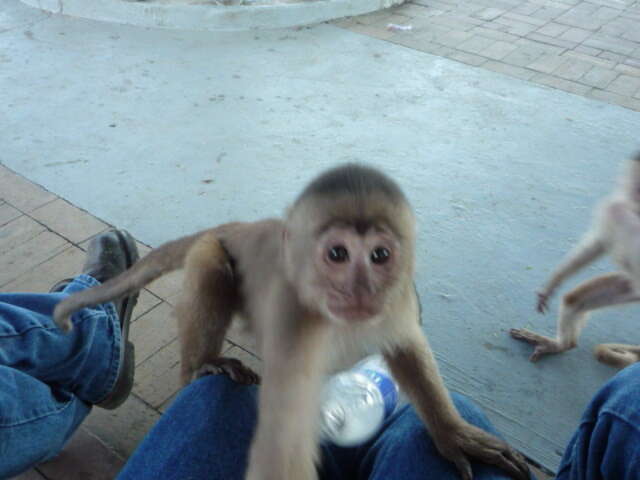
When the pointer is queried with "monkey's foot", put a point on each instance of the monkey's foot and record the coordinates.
(617, 354)
(543, 345)
(467, 442)
(230, 366)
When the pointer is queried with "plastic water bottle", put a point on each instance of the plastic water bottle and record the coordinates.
(355, 403)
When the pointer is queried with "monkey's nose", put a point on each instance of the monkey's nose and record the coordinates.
(361, 284)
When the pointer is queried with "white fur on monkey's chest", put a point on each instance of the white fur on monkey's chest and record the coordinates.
(347, 344)
(624, 239)
(350, 344)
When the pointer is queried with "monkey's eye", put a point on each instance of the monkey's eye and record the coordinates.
(380, 255)
(338, 254)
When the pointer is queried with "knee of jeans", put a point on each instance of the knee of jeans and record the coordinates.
(626, 382)
(465, 405)
(406, 423)
(627, 376)
(218, 391)
(211, 383)
(621, 394)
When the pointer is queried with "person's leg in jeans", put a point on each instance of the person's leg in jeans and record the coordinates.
(49, 380)
(606, 445)
(207, 432)
(403, 450)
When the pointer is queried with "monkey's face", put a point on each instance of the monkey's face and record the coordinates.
(355, 270)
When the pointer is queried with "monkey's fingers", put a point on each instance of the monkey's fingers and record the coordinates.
(514, 463)
(64, 324)
(525, 335)
(238, 372)
(542, 305)
(482, 446)
(464, 467)
(520, 334)
(249, 377)
(232, 367)
(543, 345)
(507, 459)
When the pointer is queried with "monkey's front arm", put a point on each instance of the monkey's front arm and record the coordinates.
(415, 369)
(294, 355)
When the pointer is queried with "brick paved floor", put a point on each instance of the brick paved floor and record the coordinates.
(43, 239)
(589, 48)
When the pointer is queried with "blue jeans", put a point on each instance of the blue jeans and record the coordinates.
(606, 445)
(207, 431)
(48, 380)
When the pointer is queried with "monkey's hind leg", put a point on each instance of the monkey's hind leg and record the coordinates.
(603, 291)
(204, 313)
(617, 354)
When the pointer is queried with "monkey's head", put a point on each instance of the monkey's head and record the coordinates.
(349, 243)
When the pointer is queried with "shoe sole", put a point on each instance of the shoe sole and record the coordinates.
(124, 382)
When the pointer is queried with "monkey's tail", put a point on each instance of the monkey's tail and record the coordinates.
(162, 260)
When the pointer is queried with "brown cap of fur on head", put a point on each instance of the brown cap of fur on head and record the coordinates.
(354, 194)
(354, 180)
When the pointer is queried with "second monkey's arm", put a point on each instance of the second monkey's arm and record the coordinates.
(587, 251)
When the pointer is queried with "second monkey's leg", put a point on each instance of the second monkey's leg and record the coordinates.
(603, 291)
(204, 313)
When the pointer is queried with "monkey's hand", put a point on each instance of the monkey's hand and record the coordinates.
(543, 298)
(234, 368)
(468, 442)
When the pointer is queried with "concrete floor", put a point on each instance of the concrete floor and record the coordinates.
(164, 133)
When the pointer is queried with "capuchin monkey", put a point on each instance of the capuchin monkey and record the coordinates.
(321, 289)
(616, 231)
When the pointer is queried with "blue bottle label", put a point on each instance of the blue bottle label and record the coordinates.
(387, 388)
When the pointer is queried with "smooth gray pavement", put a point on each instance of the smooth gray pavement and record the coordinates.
(165, 132)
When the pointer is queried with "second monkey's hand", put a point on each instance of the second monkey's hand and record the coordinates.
(466, 442)
(543, 299)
